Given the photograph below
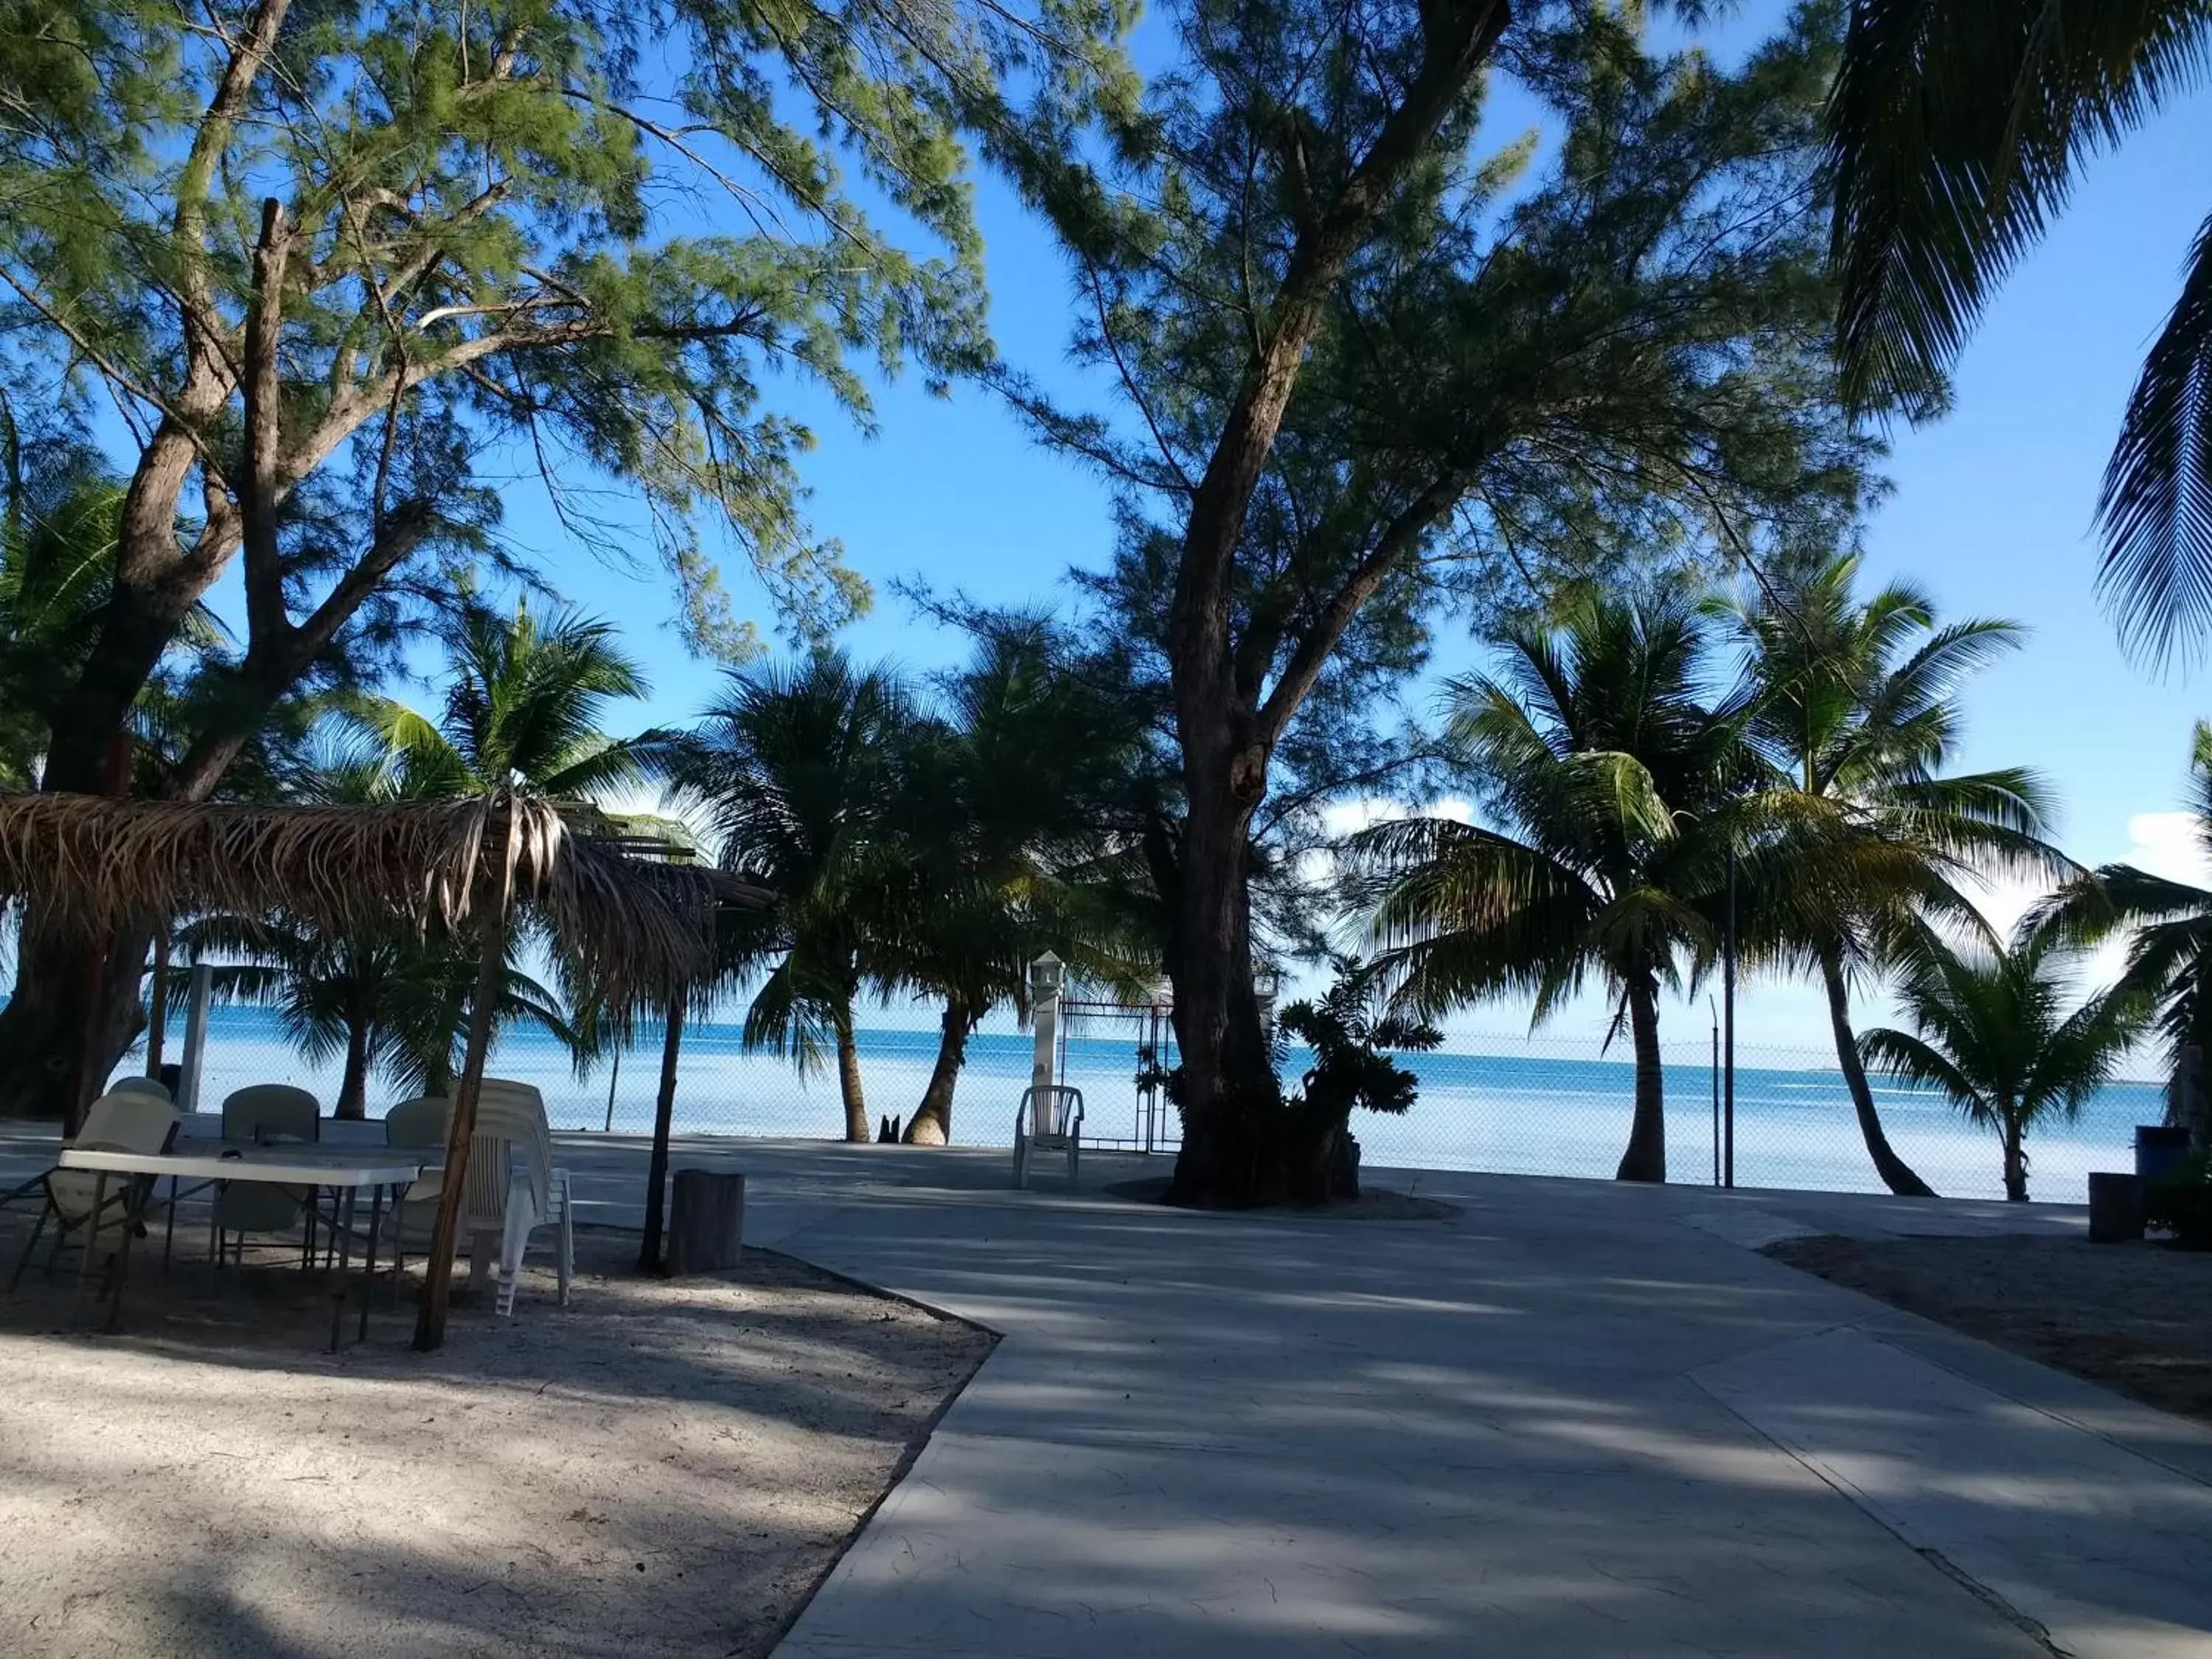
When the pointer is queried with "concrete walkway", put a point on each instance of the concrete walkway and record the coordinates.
(1575, 1419)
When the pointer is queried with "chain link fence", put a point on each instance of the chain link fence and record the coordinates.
(1544, 1105)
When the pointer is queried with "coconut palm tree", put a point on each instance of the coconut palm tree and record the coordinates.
(1991, 1032)
(802, 773)
(2169, 960)
(525, 697)
(1010, 846)
(1856, 705)
(1618, 789)
(1955, 128)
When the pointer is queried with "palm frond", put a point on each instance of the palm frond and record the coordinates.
(2156, 507)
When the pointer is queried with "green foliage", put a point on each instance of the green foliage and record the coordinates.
(1625, 329)
(2180, 1200)
(1352, 1036)
(1992, 1033)
(2168, 924)
(1007, 846)
(344, 269)
(802, 773)
(524, 701)
(1619, 786)
(1957, 128)
(1854, 706)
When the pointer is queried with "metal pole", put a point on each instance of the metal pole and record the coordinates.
(613, 1077)
(1716, 1075)
(157, 1013)
(1728, 1067)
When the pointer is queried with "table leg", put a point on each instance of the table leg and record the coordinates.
(345, 1256)
(134, 1218)
(169, 1230)
(368, 1281)
(399, 1239)
(91, 1244)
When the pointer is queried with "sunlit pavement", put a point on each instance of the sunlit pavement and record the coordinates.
(1577, 1418)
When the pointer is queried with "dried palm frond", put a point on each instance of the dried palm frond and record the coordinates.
(639, 928)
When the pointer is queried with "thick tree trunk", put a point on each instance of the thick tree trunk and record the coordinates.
(858, 1129)
(2015, 1163)
(1235, 1143)
(932, 1122)
(1645, 1159)
(1896, 1174)
(353, 1082)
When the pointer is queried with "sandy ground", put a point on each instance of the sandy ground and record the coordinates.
(2135, 1317)
(662, 1468)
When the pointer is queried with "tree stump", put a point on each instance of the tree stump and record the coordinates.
(706, 1223)
(2116, 1208)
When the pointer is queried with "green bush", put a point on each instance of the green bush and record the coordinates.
(2180, 1200)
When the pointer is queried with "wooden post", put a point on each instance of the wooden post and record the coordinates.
(491, 974)
(664, 1120)
(91, 1069)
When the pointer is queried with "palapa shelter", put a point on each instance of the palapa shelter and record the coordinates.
(640, 932)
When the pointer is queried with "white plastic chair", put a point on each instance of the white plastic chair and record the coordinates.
(513, 1188)
(140, 1085)
(128, 1121)
(1048, 1119)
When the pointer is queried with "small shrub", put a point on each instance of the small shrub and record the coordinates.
(2180, 1202)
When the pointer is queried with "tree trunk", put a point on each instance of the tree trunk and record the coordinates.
(858, 1129)
(484, 1006)
(353, 1083)
(664, 1124)
(1645, 1159)
(932, 1122)
(1896, 1174)
(2015, 1162)
(1234, 1142)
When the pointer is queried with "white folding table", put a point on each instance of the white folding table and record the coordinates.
(382, 1173)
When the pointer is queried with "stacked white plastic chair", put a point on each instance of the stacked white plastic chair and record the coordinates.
(512, 1189)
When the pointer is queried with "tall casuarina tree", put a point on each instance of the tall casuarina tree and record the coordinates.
(334, 269)
(1381, 362)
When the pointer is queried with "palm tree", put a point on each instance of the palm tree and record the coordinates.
(1856, 704)
(2169, 960)
(1991, 1033)
(1619, 790)
(1009, 848)
(1955, 128)
(802, 773)
(524, 700)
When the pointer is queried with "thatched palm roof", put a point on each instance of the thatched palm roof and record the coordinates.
(639, 928)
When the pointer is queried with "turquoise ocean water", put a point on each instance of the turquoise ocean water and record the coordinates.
(1547, 1106)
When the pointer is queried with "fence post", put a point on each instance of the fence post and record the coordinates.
(1047, 975)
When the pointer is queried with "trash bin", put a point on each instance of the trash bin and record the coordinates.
(2160, 1147)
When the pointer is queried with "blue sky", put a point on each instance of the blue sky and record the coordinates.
(1991, 511)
